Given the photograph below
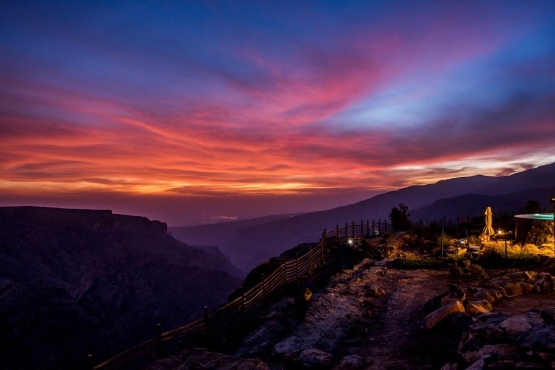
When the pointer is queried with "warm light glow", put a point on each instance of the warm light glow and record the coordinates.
(171, 99)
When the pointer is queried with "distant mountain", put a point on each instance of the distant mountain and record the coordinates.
(249, 246)
(74, 282)
(209, 235)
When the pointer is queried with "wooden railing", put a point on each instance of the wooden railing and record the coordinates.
(221, 324)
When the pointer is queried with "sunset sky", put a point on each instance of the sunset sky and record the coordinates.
(183, 111)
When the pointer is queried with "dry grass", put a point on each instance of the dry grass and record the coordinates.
(518, 251)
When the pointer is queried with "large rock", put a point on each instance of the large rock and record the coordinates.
(314, 359)
(478, 307)
(516, 325)
(540, 337)
(441, 313)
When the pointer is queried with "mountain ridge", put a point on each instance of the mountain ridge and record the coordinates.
(251, 245)
(74, 282)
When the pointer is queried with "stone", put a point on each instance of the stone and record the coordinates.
(516, 325)
(524, 276)
(477, 307)
(484, 294)
(544, 284)
(352, 362)
(549, 315)
(513, 289)
(539, 337)
(450, 366)
(314, 359)
(526, 287)
(498, 349)
(441, 313)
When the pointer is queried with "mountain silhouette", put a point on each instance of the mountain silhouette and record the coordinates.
(458, 197)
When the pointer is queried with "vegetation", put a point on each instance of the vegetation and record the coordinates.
(399, 217)
(464, 268)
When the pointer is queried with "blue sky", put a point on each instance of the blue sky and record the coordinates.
(275, 106)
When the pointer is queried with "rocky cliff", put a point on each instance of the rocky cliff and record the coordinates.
(74, 282)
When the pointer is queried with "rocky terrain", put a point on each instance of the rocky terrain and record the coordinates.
(374, 316)
(79, 282)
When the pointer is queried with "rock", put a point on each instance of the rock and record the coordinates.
(477, 307)
(512, 289)
(549, 316)
(455, 294)
(441, 313)
(450, 366)
(314, 359)
(539, 337)
(516, 325)
(374, 290)
(352, 362)
(525, 276)
(544, 284)
(485, 296)
(498, 349)
(526, 287)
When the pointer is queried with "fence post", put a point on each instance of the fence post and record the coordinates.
(385, 225)
(242, 304)
(297, 267)
(353, 230)
(337, 232)
(361, 228)
(263, 289)
(322, 260)
(284, 270)
(159, 339)
(206, 326)
(380, 225)
(89, 362)
(367, 227)
(346, 231)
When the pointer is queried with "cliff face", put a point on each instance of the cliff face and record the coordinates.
(74, 282)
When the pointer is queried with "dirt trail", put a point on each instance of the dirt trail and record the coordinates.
(399, 314)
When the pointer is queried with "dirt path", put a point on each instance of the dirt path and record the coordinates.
(398, 316)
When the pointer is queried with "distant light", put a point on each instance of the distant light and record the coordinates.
(350, 241)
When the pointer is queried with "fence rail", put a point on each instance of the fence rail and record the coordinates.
(243, 309)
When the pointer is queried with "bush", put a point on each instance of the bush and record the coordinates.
(491, 258)
(463, 267)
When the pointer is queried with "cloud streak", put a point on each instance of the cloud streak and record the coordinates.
(270, 99)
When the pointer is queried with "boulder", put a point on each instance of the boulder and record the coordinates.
(478, 307)
(441, 313)
(526, 287)
(539, 337)
(352, 362)
(498, 349)
(544, 284)
(516, 325)
(314, 359)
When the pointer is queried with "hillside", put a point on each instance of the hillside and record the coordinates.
(248, 246)
(74, 282)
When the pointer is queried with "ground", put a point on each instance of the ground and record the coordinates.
(365, 316)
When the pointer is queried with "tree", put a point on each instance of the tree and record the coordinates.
(532, 206)
(399, 217)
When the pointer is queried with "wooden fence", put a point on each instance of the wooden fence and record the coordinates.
(221, 324)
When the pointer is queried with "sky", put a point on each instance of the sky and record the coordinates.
(195, 111)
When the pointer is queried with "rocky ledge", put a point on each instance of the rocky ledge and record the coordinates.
(495, 340)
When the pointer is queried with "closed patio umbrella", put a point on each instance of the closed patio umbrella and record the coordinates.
(488, 229)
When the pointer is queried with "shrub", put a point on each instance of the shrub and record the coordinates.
(491, 258)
